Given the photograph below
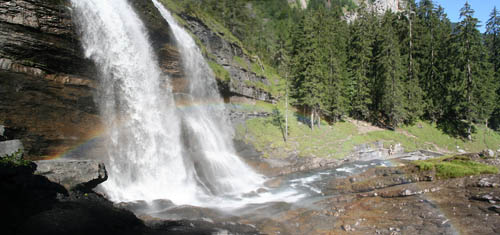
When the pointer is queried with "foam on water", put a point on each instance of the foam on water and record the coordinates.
(156, 150)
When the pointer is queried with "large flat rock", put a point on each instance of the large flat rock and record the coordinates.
(73, 174)
(10, 147)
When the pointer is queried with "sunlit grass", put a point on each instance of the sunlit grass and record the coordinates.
(338, 140)
(454, 167)
(219, 71)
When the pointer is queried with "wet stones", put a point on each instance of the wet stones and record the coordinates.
(488, 182)
(487, 198)
(487, 153)
(10, 147)
(82, 175)
(495, 208)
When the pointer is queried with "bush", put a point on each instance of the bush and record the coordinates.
(15, 159)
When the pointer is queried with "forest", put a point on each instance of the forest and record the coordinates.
(391, 69)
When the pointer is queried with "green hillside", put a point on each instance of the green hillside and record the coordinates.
(398, 72)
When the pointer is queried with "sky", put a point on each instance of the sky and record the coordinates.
(482, 9)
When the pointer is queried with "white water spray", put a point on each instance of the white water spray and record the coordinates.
(210, 144)
(142, 127)
(155, 150)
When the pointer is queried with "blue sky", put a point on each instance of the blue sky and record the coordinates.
(482, 9)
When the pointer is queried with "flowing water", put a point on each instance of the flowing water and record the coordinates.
(156, 150)
(208, 133)
(143, 129)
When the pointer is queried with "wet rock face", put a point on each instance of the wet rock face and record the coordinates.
(241, 77)
(390, 202)
(83, 175)
(39, 34)
(45, 79)
(47, 115)
(47, 85)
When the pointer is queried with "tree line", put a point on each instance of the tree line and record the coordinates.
(390, 69)
(396, 68)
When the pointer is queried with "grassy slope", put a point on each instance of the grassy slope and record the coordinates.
(330, 141)
(338, 140)
(454, 167)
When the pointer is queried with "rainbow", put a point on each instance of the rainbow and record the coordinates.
(83, 143)
(89, 139)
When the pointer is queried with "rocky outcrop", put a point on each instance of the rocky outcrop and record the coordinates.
(49, 116)
(10, 147)
(46, 82)
(38, 37)
(83, 175)
(379, 7)
(34, 205)
(243, 81)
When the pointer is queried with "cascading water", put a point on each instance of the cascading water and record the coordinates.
(210, 144)
(143, 134)
(155, 150)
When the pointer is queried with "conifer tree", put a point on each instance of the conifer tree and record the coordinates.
(314, 57)
(360, 56)
(334, 36)
(493, 45)
(388, 96)
(471, 74)
(413, 93)
(440, 67)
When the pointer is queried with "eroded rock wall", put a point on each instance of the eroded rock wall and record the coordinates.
(47, 84)
(243, 81)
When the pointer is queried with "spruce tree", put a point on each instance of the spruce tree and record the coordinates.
(388, 92)
(440, 67)
(314, 80)
(408, 22)
(360, 56)
(493, 45)
(334, 39)
(471, 74)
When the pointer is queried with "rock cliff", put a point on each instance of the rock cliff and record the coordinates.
(46, 82)
(242, 82)
(377, 6)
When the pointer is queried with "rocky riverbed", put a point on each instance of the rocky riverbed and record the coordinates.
(313, 196)
(371, 197)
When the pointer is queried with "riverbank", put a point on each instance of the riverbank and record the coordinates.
(342, 140)
(394, 196)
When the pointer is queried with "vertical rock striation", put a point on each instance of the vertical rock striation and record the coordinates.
(46, 82)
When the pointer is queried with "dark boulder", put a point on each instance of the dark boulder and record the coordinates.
(24, 194)
(83, 175)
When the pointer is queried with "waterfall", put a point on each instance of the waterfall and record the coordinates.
(210, 144)
(154, 149)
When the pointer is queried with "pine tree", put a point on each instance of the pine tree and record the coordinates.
(414, 104)
(314, 56)
(388, 92)
(334, 39)
(493, 45)
(360, 52)
(472, 73)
